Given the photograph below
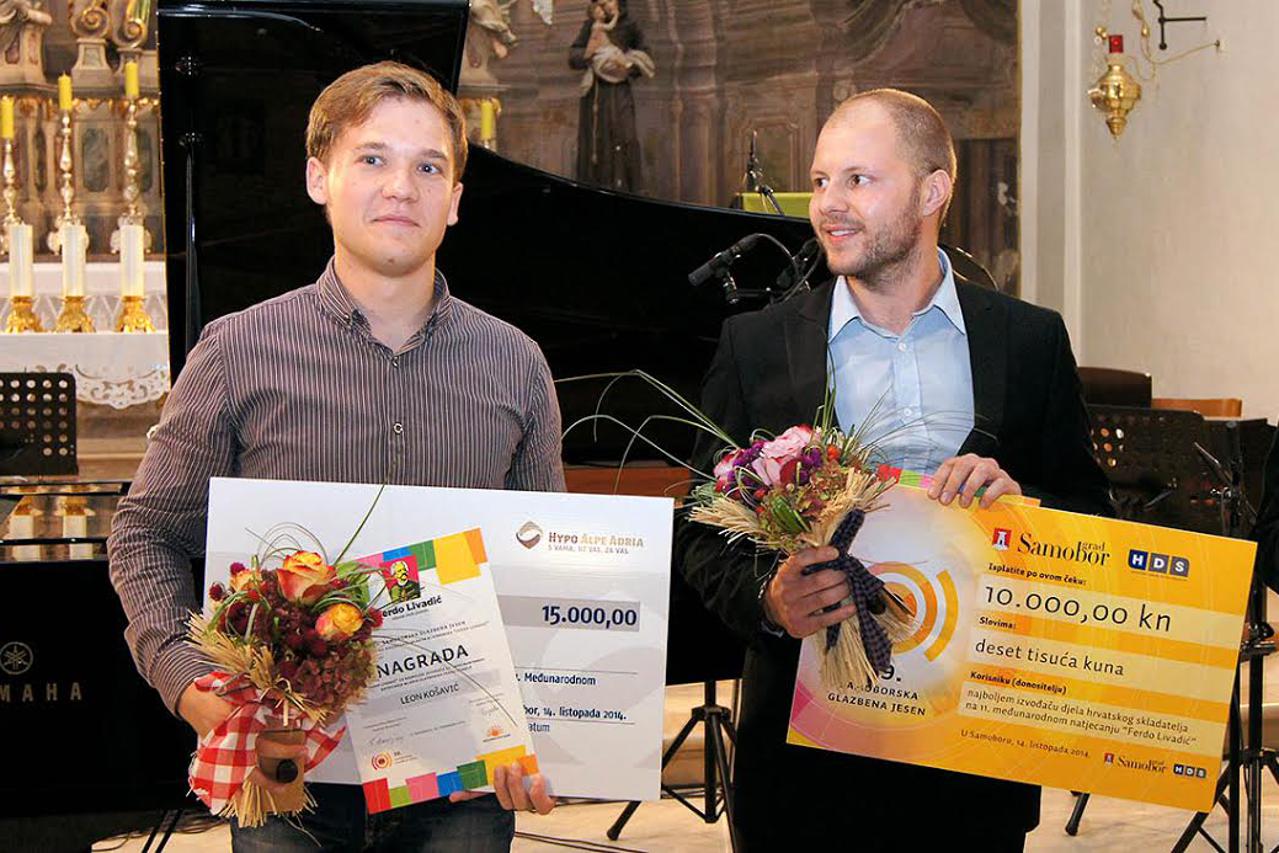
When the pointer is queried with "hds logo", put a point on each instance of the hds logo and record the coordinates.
(1163, 564)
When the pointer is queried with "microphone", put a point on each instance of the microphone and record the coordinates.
(720, 263)
(802, 264)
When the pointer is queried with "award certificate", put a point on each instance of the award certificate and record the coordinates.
(582, 587)
(1053, 648)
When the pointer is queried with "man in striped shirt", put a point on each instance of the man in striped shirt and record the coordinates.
(375, 373)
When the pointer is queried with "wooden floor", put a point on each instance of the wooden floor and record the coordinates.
(1108, 825)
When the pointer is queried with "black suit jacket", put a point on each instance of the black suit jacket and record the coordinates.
(770, 372)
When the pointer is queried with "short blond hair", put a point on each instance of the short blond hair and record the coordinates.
(349, 100)
(921, 129)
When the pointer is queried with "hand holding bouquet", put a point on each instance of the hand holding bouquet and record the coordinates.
(806, 488)
(292, 648)
(809, 488)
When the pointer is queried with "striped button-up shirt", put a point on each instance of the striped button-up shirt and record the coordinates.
(297, 388)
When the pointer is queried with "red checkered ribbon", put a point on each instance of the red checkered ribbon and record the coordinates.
(228, 753)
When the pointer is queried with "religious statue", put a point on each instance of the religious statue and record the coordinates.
(610, 51)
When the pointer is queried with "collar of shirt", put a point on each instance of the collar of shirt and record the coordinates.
(844, 310)
(336, 301)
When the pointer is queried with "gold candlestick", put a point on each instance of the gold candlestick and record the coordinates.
(10, 195)
(22, 316)
(67, 181)
(73, 317)
(133, 317)
(134, 209)
(132, 186)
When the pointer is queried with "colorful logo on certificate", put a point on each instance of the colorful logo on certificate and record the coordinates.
(529, 535)
(382, 761)
(1000, 538)
(400, 571)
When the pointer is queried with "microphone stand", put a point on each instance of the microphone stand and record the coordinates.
(1257, 642)
(755, 175)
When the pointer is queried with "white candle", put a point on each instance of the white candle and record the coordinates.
(22, 527)
(21, 254)
(77, 527)
(132, 249)
(75, 244)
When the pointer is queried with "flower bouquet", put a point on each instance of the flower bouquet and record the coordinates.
(292, 649)
(806, 488)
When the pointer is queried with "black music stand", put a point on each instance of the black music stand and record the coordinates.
(699, 648)
(37, 424)
(1149, 457)
(1236, 513)
(1161, 474)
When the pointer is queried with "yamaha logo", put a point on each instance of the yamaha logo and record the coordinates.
(529, 535)
(15, 658)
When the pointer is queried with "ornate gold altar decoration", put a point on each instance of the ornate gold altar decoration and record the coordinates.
(22, 316)
(133, 317)
(1117, 91)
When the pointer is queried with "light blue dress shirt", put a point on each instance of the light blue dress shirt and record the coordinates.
(911, 393)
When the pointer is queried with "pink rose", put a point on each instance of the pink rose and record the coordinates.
(789, 444)
(769, 470)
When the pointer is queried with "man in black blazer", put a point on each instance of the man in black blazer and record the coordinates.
(882, 178)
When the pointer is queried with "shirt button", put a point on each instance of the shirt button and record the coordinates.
(901, 347)
(908, 412)
(398, 429)
(395, 361)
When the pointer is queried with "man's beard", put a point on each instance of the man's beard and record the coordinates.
(886, 252)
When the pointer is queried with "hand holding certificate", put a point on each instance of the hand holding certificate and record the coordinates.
(574, 585)
(1053, 648)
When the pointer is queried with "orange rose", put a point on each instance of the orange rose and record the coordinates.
(339, 622)
(304, 577)
(242, 580)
